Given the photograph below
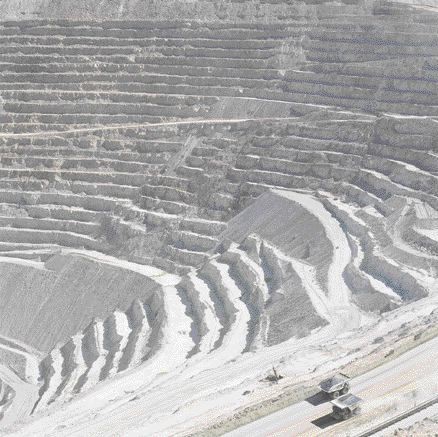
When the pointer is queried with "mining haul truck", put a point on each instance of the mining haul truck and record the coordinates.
(346, 406)
(336, 385)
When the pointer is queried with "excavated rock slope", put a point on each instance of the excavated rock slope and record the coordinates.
(189, 191)
(63, 297)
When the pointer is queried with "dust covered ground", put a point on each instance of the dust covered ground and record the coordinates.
(194, 192)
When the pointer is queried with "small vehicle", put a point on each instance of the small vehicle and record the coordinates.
(346, 406)
(335, 386)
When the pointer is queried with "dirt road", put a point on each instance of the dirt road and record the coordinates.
(25, 397)
(310, 418)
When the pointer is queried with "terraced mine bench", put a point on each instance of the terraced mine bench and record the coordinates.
(201, 189)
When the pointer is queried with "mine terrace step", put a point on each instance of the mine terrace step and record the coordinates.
(60, 153)
(128, 79)
(74, 176)
(224, 62)
(62, 238)
(382, 94)
(171, 181)
(168, 193)
(41, 254)
(336, 56)
(123, 192)
(168, 265)
(269, 179)
(192, 241)
(306, 156)
(146, 140)
(88, 229)
(364, 48)
(71, 183)
(84, 97)
(184, 256)
(268, 91)
(301, 142)
(204, 227)
(128, 24)
(37, 59)
(415, 39)
(380, 69)
(169, 207)
(60, 212)
(86, 50)
(206, 32)
(64, 163)
(37, 128)
(172, 67)
(70, 123)
(73, 50)
(10, 247)
(101, 108)
(112, 41)
(92, 203)
(363, 104)
(142, 146)
(370, 82)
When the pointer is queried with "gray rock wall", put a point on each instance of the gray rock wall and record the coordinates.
(154, 9)
(51, 305)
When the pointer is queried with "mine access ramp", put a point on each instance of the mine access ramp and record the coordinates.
(346, 406)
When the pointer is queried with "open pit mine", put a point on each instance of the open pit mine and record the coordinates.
(198, 195)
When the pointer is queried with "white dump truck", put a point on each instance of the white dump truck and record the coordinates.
(335, 386)
(346, 406)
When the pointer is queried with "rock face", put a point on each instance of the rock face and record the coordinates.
(252, 174)
(63, 298)
(149, 9)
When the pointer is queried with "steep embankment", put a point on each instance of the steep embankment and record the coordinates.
(278, 159)
(62, 297)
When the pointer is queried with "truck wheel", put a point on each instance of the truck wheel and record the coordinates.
(335, 394)
(345, 389)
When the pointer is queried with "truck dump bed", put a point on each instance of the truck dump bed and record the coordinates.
(333, 383)
(346, 401)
